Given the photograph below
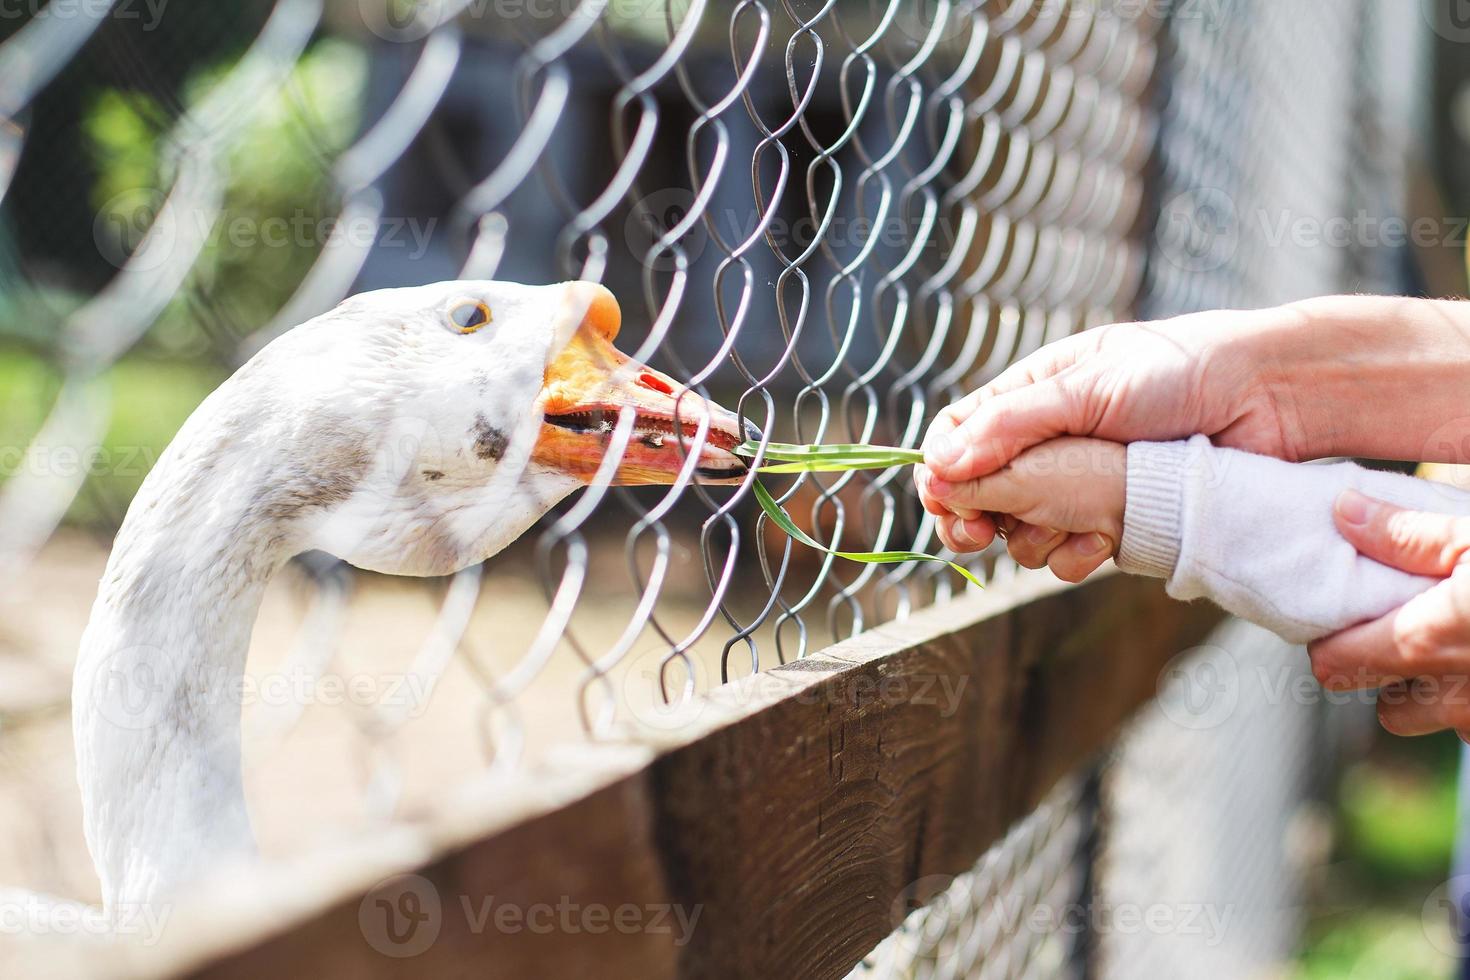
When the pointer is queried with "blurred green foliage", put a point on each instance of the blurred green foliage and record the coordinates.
(1399, 824)
(151, 399)
(277, 177)
(279, 203)
(1396, 819)
(1383, 945)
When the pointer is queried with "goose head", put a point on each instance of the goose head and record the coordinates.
(427, 427)
(410, 431)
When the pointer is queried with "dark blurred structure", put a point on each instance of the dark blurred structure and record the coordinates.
(144, 56)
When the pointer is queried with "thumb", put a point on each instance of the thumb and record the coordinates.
(999, 429)
(1417, 542)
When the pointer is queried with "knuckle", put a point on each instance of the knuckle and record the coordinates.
(1417, 642)
(1401, 534)
(1001, 416)
(944, 423)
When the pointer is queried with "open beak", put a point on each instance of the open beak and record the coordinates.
(590, 382)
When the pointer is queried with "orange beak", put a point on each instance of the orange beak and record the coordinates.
(590, 382)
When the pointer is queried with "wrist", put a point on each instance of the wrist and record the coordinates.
(1368, 376)
(1153, 524)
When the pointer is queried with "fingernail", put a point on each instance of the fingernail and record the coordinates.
(1095, 544)
(944, 450)
(1038, 536)
(1354, 508)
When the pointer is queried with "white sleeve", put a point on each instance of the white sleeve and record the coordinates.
(1256, 535)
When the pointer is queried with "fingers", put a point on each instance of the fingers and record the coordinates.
(1071, 557)
(964, 536)
(924, 483)
(1031, 546)
(1000, 427)
(1004, 491)
(1080, 555)
(952, 416)
(1418, 657)
(1429, 636)
(1067, 484)
(1359, 658)
(1425, 706)
(1413, 541)
(1052, 359)
(952, 427)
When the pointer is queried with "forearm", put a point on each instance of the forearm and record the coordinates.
(1256, 535)
(1369, 376)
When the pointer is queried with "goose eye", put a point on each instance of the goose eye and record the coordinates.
(469, 316)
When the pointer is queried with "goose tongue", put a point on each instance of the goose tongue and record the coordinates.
(591, 382)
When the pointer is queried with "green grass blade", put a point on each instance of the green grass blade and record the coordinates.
(831, 457)
(781, 519)
(824, 466)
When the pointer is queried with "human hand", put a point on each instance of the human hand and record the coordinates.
(1065, 487)
(1295, 382)
(1124, 383)
(1419, 654)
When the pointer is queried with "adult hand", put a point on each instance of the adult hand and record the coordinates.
(1125, 382)
(1295, 382)
(1419, 654)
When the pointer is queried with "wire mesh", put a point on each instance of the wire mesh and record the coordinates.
(1016, 914)
(1213, 799)
(835, 215)
(1207, 852)
(1271, 114)
(931, 193)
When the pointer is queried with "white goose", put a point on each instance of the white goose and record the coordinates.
(412, 431)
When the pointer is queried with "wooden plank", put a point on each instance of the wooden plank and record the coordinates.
(785, 822)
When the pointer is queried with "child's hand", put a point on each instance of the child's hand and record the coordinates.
(1066, 485)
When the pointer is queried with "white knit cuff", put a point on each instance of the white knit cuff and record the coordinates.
(1153, 525)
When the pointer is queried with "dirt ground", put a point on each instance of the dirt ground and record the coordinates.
(364, 741)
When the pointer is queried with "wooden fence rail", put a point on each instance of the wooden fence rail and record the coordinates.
(770, 833)
(777, 827)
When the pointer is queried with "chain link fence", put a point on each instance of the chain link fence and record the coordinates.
(834, 216)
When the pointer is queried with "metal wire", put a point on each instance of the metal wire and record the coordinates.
(1210, 811)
